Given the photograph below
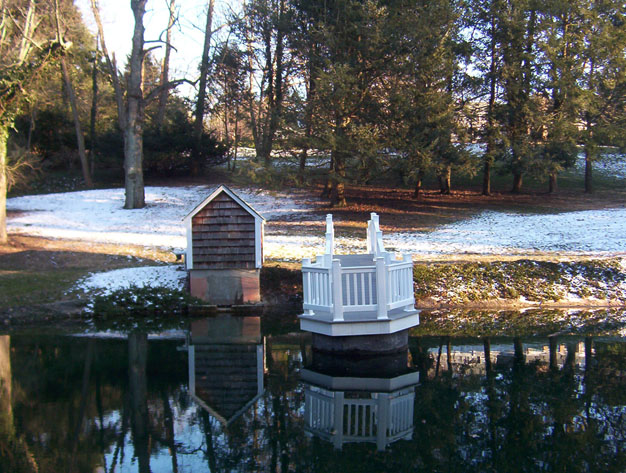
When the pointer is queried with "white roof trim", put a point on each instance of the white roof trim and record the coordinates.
(235, 197)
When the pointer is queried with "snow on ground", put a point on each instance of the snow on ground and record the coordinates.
(98, 215)
(586, 232)
(170, 276)
(609, 164)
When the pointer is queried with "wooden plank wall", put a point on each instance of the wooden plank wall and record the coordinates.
(223, 236)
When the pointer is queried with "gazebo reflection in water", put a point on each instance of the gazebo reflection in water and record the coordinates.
(351, 399)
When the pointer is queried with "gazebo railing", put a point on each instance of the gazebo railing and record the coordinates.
(381, 418)
(379, 288)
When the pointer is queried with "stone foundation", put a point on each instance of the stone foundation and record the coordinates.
(225, 286)
(362, 344)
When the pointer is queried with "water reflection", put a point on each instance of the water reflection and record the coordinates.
(226, 365)
(359, 400)
(143, 403)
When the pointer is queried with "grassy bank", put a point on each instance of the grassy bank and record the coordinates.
(496, 283)
(522, 282)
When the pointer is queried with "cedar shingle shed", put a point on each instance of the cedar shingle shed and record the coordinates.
(224, 249)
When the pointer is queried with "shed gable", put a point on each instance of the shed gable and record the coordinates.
(223, 235)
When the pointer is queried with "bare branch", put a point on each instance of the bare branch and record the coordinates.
(111, 65)
(167, 86)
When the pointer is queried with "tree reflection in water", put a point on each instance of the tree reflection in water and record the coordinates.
(484, 404)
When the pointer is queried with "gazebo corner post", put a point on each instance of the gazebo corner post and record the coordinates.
(381, 288)
(337, 436)
(306, 285)
(383, 409)
(337, 291)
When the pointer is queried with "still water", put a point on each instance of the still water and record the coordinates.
(227, 394)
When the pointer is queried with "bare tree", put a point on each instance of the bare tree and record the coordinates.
(131, 106)
(198, 127)
(165, 66)
(80, 139)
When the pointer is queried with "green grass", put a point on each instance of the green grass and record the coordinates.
(22, 288)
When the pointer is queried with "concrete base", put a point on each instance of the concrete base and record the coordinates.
(359, 323)
(362, 344)
(225, 286)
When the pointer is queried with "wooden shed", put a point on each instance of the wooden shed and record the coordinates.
(224, 249)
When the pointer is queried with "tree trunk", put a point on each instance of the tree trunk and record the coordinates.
(487, 176)
(327, 185)
(487, 354)
(112, 66)
(444, 180)
(133, 132)
(138, 390)
(418, 183)
(198, 126)
(517, 182)
(588, 170)
(552, 347)
(518, 351)
(165, 68)
(251, 105)
(308, 119)
(338, 167)
(80, 139)
(552, 183)
(236, 143)
(337, 186)
(491, 108)
(94, 113)
(4, 136)
(31, 127)
(277, 98)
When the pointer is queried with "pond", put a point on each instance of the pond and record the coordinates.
(237, 394)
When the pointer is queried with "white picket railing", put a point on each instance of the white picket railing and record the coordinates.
(379, 287)
(381, 418)
(375, 282)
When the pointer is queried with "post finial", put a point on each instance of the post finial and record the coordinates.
(330, 235)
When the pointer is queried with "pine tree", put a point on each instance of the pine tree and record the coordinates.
(603, 105)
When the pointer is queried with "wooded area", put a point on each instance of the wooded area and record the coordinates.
(396, 88)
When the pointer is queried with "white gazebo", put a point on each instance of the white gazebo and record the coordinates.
(361, 294)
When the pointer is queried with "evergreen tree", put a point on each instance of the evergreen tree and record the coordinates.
(603, 103)
(561, 45)
(354, 52)
(424, 93)
(520, 111)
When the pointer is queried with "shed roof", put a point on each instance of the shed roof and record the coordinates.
(230, 193)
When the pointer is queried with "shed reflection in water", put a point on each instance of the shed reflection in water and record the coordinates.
(243, 401)
(226, 365)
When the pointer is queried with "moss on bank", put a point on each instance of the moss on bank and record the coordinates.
(520, 281)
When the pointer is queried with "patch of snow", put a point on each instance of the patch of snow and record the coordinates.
(173, 334)
(170, 276)
(585, 232)
(99, 216)
(611, 164)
